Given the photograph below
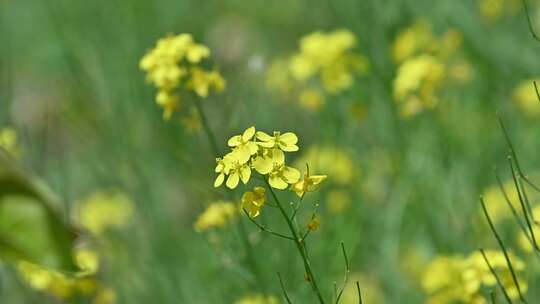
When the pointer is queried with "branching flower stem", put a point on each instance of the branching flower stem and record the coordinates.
(299, 245)
(245, 240)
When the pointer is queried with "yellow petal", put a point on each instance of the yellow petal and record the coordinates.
(288, 138)
(317, 179)
(288, 148)
(219, 180)
(277, 182)
(233, 180)
(245, 174)
(278, 156)
(252, 146)
(263, 136)
(242, 154)
(248, 134)
(291, 175)
(262, 165)
(267, 144)
(235, 141)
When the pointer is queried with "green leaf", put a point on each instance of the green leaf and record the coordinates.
(31, 224)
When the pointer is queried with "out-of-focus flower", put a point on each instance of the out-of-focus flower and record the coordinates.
(426, 62)
(333, 161)
(369, 286)
(173, 64)
(9, 142)
(253, 201)
(525, 241)
(257, 299)
(326, 62)
(338, 201)
(496, 203)
(105, 210)
(105, 296)
(460, 279)
(63, 285)
(416, 83)
(525, 96)
(217, 215)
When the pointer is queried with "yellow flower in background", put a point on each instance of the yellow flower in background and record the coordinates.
(461, 279)
(285, 142)
(525, 96)
(334, 161)
(202, 82)
(338, 201)
(9, 141)
(169, 102)
(330, 55)
(370, 287)
(308, 183)
(253, 201)
(258, 299)
(426, 62)
(279, 175)
(217, 215)
(497, 205)
(525, 242)
(416, 82)
(105, 296)
(87, 261)
(105, 210)
(173, 64)
(411, 40)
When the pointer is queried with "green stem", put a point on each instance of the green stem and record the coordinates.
(299, 244)
(245, 240)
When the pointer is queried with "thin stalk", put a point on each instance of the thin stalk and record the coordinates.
(245, 240)
(359, 292)
(503, 248)
(299, 245)
(496, 278)
(347, 270)
(529, 22)
(283, 289)
(266, 229)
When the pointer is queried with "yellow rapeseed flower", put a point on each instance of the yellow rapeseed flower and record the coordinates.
(105, 210)
(173, 64)
(314, 223)
(280, 176)
(217, 215)
(243, 144)
(253, 201)
(308, 183)
(285, 142)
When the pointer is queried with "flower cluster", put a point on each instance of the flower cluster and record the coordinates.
(458, 279)
(217, 215)
(325, 62)
(264, 153)
(493, 10)
(425, 63)
(68, 286)
(175, 62)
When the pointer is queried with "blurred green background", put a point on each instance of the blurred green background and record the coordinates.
(70, 85)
